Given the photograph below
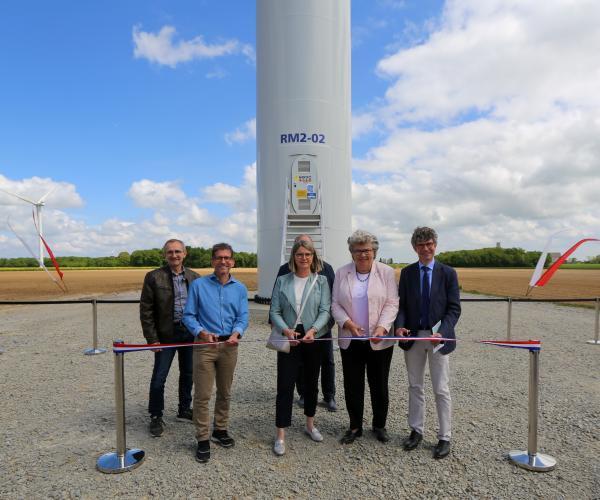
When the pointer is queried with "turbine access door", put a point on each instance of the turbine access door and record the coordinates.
(304, 211)
(304, 185)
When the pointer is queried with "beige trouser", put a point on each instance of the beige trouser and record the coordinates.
(439, 369)
(212, 363)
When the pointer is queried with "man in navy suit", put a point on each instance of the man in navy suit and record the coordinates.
(429, 307)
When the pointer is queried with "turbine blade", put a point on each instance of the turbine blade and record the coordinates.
(17, 196)
(41, 200)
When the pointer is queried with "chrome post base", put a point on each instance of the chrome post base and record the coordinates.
(91, 351)
(113, 463)
(594, 342)
(537, 462)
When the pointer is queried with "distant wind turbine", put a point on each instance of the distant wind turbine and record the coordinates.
(38, 213)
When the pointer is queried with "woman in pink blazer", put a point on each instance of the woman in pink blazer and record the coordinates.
(365, 304)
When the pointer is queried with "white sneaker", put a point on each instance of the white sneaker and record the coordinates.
(279, 447)
(314, 434)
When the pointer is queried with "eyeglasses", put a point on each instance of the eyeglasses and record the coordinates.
(303, 255)
(427, 244)
(366, 251)
(223, 258)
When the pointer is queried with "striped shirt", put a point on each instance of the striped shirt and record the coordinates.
(180, 294)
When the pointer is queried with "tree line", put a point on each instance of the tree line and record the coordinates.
(197, 257)
(491, 257)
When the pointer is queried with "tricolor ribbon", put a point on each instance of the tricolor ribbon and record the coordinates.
(119, 347)
(532, 345)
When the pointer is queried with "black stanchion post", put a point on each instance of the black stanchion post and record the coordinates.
(531, 459)
(596, 340)
(124, 459)
(94, 349)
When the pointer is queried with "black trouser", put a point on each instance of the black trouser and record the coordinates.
(355, 359)
(327, 367)
(306, 355)
(162, 365)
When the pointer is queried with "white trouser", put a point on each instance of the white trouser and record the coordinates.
(439, 369)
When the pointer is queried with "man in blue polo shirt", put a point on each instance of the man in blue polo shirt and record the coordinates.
(216, 311)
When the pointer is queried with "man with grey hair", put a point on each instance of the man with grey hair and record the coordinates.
(162, 302)
(429, 307)
(327, 364)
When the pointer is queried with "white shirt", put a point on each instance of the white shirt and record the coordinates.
(360, 301)
(299, 285)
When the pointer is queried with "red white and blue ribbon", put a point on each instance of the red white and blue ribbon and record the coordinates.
(120, 347)
(531, 345)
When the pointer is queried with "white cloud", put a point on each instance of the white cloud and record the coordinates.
(163, 49)
(168, 198)
(195, 216)
(510, 59)
(62, 194)
(170, 213)
(239, 198)
(149, 194)
(362, 124)
(491, 129)
(242, 134)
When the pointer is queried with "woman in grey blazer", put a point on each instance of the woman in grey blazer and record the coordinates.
(302, 285)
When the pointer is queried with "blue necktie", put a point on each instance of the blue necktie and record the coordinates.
(425, 299)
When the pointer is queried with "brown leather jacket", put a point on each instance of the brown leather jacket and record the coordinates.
(156, 304)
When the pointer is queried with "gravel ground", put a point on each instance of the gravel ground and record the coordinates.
(58, 416)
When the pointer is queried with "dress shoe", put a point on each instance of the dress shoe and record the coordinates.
(412, 441)
(442, 449)
(381, 434)
(350, 436)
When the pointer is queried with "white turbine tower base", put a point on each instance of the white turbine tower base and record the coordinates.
(38, 214)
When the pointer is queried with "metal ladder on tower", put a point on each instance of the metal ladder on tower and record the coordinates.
(296, 224)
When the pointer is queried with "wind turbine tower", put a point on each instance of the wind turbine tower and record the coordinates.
(303, 131)
(38, 215)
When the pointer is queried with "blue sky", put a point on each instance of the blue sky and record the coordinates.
(478, 118)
